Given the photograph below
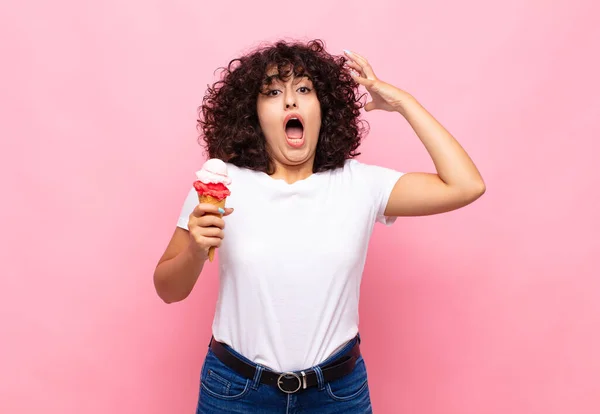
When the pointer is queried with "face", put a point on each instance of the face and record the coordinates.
(289, 113)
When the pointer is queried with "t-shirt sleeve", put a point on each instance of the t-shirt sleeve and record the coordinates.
(190, 203)
(381, 182)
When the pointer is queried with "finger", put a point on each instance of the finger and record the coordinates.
(209, 242)
(228, 211)
(356, 57)
(356, 74)
(214, 242)
(363, 63)
(355, 66)
(211, 221)
(360, 80)
(370, 106)
(360, 57)
(211, 232)
(204, 208)
(367, 70)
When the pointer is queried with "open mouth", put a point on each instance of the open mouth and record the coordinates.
(294, 130)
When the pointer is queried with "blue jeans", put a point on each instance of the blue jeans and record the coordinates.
(223, 390)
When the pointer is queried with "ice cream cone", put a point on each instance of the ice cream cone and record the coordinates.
(215, 202)
(211, 185)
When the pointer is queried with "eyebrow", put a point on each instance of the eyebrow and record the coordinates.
(270, 78)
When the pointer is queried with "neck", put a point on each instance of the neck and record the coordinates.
(292, 173)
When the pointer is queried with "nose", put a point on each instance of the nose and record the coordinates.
(290, 101)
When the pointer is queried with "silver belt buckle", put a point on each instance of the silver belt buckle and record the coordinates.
(289, 375)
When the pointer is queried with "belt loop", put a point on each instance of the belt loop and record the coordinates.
(320, 379)
(257, 375)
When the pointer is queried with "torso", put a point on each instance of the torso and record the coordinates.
(291, 263)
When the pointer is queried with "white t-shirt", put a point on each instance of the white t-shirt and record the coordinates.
(291, 261)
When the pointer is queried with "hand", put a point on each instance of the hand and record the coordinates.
(205, 227)
(383, 95)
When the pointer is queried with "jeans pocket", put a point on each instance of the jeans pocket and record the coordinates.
(351, 386)
(220, 381)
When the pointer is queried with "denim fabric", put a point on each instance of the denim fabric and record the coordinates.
(223, 390)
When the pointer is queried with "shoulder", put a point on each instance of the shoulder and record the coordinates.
(378, 178)
(238, 172)
(351, 166)
(368, 168)
(353, 174)
(242, 178)
(235, 170)
(354, 167)
(352, 171)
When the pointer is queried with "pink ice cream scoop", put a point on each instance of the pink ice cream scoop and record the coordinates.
(213, 180)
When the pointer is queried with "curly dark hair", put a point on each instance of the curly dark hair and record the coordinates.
(228, 118)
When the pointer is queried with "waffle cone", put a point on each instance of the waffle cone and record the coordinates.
(215, 202)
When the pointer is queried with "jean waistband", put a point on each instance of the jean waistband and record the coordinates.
(339, 353)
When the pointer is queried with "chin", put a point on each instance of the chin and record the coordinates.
(296, 161)
(298, 155)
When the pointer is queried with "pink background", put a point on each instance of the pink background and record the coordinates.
(491, 309)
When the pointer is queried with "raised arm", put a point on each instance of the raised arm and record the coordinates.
(457, 181)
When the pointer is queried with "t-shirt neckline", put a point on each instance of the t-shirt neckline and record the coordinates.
(280, 182)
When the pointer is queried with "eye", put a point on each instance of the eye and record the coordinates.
(273, 92)
(304, 89)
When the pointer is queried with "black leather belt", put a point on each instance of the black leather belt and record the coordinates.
(289, 382)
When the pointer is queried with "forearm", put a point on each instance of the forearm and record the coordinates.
(453, 164)
(175, 278)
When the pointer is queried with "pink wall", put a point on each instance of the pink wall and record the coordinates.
(491, 309)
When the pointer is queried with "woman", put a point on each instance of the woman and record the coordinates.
(285, 119)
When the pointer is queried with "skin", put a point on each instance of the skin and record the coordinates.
(455, 184)
(279, 99)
